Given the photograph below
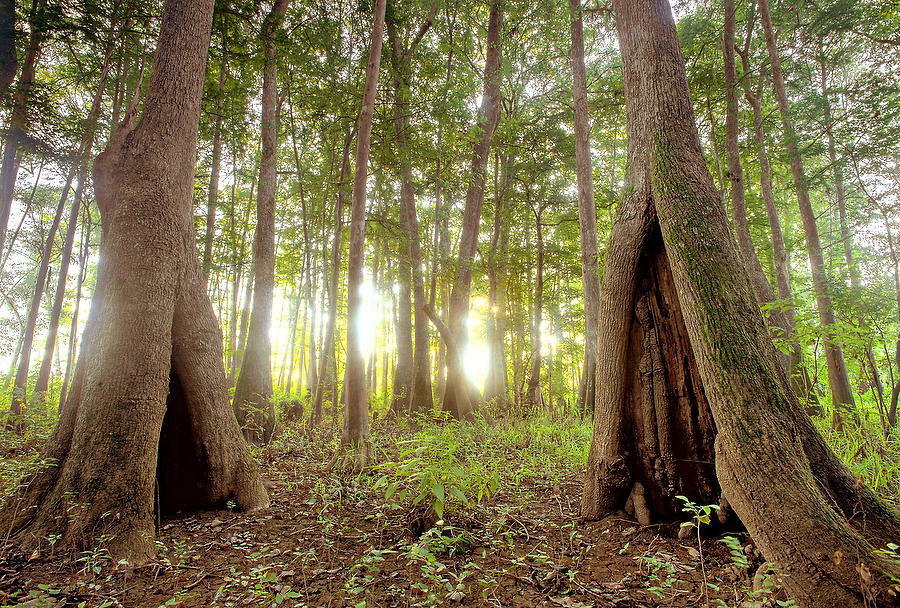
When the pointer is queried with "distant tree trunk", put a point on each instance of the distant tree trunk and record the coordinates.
(838, 380)
(73, 326)
(327, 363)
(534, 397)
(403, 373)
(761, 287)
(147, 419)
(20, 385)
(43, 380)
(846, 233)
(356, 419)
(9, 61)
(687, 374)
(587, 210)
(458, 390)
(420, 397)
(253, 404)
(496, 387)
(18, 116)
(800, 379)
(213, 195)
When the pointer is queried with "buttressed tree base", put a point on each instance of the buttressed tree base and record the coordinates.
(147, 427)
(687, 373)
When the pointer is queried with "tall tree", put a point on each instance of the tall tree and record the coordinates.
(253, 392)
(9, 61)
(838, 379)
(587, 208)
(356, 418)
(458, 390)
(676, 297)
(147, 419)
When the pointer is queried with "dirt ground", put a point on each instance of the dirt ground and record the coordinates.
(331, 540)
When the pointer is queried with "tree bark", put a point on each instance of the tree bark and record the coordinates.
(587, 210)
(253, 392)
(458, 386)
(496, 387)
(674, 265)
(147, 418)
(356, 419)
(838, 379)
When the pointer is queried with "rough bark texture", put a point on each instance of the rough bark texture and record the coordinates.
(356, 418)
(457, 389)
(822, 525)
(253, 392)
(147, 416)
(838, 379)
(587, 211)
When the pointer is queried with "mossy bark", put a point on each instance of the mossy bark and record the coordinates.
(802, 507)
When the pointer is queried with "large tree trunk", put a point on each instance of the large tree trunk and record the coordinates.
(677, 305)
(587, 210)
(420, 397)
(457, 391)
(403, 373)
(253, 392)
(838, 379)
(147, 419)
(356, 419)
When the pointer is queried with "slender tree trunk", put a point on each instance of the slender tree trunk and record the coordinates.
(327, 363)
(587, 209)
(838, 380)
(761, 287)
(18, 122)
(420, 397)
(253, 392)
(496, 387)
(20, 385)
(73, 326)
(459, 390)
(535, 398)
(43, 380)
(213, 194)
(846, 233)
(676, 304)
(356, 419)
(147, 419)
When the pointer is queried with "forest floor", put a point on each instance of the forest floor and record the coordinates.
(510, 536)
